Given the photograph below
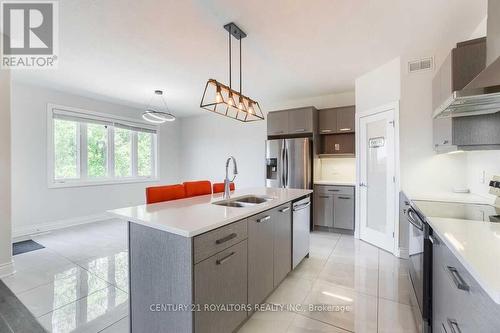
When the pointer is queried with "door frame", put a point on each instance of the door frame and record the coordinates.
(386, 107)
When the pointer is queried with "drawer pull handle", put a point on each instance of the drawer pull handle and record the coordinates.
(324, 197)
(226, 258)
(333, 190)
(284, 210)
(227, 238)
(300, 130)
(264, 219)
(326, 131)
(345, 198)
(457, 279)
(454, 326)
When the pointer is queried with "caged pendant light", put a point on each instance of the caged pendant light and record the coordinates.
(225, 100)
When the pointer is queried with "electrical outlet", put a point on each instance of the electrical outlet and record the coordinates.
(482, 177)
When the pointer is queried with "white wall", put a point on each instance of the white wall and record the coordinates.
(5, 169)
(378, 87)
(320, 102)
(34, 205)
(208, 140)
(481, 163)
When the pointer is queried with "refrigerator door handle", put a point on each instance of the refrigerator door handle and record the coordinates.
(282, 157)
(286, 166)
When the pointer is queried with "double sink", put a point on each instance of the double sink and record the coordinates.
(244, 201)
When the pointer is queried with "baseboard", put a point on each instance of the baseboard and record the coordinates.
(26, 232)
(7, 269)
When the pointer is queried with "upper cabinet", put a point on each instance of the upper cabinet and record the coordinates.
(277, 123)
(291, 122)
(337, 120)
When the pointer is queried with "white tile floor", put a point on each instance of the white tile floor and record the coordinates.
(79, 282)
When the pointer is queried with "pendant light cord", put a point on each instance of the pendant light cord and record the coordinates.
(241, 91)
(230, 76)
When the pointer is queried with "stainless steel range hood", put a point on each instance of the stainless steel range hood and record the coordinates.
(468, 83)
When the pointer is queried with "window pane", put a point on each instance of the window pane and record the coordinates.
(66, 150)
(144, 157)
(97, 150)
(123, 152)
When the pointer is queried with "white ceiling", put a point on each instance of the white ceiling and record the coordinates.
(121, 50)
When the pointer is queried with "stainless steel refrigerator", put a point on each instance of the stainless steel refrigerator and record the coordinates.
(289, 163)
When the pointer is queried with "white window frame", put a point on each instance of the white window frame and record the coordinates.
(83, 180)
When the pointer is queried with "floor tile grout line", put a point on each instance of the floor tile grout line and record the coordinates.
(78, 299)
(105, 328)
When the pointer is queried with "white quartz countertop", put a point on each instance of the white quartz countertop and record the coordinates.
(335, 182)
(193, 216)
(476, 244)
(452, 197)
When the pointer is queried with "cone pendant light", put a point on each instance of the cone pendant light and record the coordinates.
(224, 100)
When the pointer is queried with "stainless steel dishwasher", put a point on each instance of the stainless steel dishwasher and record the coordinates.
(301, 220)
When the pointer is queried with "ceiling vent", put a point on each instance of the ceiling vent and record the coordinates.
(423, 64)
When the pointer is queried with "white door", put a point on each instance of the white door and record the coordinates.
(377, 179)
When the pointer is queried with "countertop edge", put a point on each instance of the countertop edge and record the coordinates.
(187, 234)
(494, 294)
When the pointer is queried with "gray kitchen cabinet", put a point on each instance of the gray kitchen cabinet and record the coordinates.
(323, 210)
(343, 211)
(337, 120)
(345, 119)
(292, 122)
(277, 123)
(260, 256)
(334, 207)
(221, 279)
(459, 304)
(327, 121)
(300, 121)
(282, 243)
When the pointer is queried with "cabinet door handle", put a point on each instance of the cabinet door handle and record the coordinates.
(452, 323)
(284, 210)
(226, 258)
(264, 219)
(324, 197)
(326, 131)
(457, 279)
(227, 238)
(345, 198)
(333, 190)
(345, 129)
(300, 130)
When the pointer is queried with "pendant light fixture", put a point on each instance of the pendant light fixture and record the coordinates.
(225, 100)
(153, 114)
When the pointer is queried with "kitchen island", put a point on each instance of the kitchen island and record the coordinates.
(202, 264)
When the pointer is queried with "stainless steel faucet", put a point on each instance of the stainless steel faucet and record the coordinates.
(227, 182)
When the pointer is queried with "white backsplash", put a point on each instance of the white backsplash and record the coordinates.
(481, 167)
(335, 169)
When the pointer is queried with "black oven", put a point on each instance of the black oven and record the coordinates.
(420, 263)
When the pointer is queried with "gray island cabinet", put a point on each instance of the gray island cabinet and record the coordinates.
(208, 282)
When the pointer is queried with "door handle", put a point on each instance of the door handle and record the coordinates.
(362, 185)
(264, 219)
(300, 130)
(326, 131)
(457, 279)
(301, 206)
(286, 174)
(344, 198)
(411, 218)
(324, 197)
(226, 258)
(226, 239)
(284, 210)
(333, 190)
